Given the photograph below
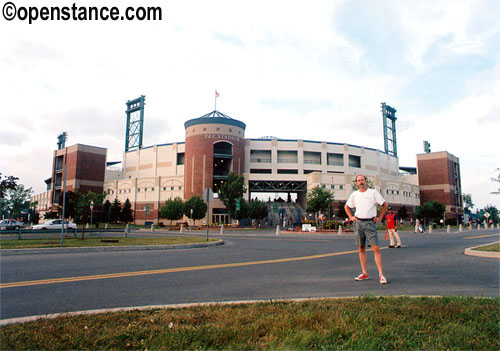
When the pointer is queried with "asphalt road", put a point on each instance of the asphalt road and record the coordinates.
(247, 267)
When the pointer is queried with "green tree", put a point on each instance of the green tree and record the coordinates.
(258, 209)
(173, 209)
(403, 212)
(319, 199)
(497, 179)
(18, 199)
(233, 188)
(195, 208)
(9, 183)
(493, 211)
(126, 214)
(4, 208)
(70, 204)
(105, 214)
(116, 210)
(83, 206)
(50, 215)
(469, 205)
(243, 212)
(433, 210)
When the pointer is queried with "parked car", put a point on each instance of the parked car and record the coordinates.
(10, 224)
(54, 224)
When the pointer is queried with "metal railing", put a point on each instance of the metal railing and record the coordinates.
(260, 160)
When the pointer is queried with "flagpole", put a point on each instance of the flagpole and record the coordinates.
(216, 100)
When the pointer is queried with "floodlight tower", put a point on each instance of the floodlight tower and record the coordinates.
(135, 123)
(389, 117)
(61, 140)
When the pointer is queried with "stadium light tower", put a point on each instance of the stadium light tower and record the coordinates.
(389, 117)
(135, 123)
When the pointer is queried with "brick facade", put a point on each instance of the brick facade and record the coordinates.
(199, 154)
(85, 169)
(439, 180)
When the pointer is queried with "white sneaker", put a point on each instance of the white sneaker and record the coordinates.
(362, 276)
(382, 280)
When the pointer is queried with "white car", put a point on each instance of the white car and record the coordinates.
(54, 224)
(10, 224)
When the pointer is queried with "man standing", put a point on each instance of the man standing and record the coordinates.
(392, 227)
(365, 223)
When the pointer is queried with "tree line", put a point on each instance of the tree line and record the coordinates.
(91, 207)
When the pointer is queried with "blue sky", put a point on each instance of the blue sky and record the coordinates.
(291, 69)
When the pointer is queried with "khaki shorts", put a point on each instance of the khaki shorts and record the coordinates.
(366, 231)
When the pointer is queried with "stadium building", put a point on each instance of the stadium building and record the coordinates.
(279, 171)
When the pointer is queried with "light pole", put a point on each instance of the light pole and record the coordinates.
(91, 212)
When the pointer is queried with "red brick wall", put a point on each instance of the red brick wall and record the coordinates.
(440, 173)
(432, 172)
(198, 146)
(90, 166)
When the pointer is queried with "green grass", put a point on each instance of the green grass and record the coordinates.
(367, 323)
(491, 248)
(96, 241)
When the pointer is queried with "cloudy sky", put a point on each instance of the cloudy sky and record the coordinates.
(312, 70)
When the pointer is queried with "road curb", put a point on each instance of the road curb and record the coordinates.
(488, 254)
(58, 250)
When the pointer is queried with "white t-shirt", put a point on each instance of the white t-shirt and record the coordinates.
(365, 203)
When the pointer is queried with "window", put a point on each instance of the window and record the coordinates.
(260, 171)
(288, 171)
(335, 159)
(260, 156)
(180, 158)
(287, 156)
(313, 158)
(354, 161)
(223, 148)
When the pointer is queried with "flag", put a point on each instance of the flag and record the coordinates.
(216, 94)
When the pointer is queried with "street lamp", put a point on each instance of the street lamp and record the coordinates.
(91, 212)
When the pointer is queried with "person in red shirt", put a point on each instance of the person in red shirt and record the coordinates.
(392, 227)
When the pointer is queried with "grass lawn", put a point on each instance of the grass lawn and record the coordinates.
(366, 323)
(96, 241)
(491, 248)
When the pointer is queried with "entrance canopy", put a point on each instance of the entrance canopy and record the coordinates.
(255, 186)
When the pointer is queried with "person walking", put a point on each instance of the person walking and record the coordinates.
(392, 227)
(365, 222)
